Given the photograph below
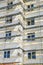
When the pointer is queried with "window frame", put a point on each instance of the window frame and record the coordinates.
(7, 55)
(8, 34)
(9, 5)
(30, 8)
(34, 55)
(31, 22)
(30, 36)
(31, 56)
(9, 19)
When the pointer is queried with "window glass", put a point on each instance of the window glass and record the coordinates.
(10, 5)
(29, 55)
(8, 35)
(31, 22)
(33, 55)
(7, 54)
(9, 19)
(31, 36)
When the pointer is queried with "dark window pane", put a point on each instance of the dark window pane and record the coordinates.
(28, 7)
(29, 55)
(28, 36)
(10, 5)
(4, 54)
(32, 6)
(8, 34)
(33, 36)
(8, 54)
(32, 22)
(33, 55)
(11, 2)
(9, 19)
(28, 22)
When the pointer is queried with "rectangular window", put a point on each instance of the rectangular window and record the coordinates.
(9, 19)
(30, 22)
(33, 55)
(10, 5)
(30, 7)
(31, 36)
(7, 54)
(29, 55)
(8, 35)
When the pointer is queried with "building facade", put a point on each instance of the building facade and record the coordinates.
(21, 32)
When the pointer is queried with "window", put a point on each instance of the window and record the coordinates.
(30, 7)
(10, 5)
(9, 19)
(6, 54)
(31, 36)
(32, 55)
(29, 55)
(8, 35)
(30, 22)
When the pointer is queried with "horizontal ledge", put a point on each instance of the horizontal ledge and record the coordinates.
(33, 39)
(10, 25)
(10, 15)
(21, 49)
(33, 27)
(11, 49)
(34, 8)
(22, 16)
(11, 37)
(33, 50)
